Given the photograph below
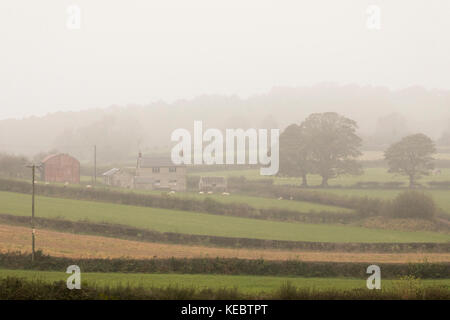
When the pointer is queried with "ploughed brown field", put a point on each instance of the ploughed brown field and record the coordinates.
(15, 238)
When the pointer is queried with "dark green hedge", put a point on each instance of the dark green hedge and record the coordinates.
(13, 288)
(225, 266)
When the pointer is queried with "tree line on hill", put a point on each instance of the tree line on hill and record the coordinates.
(327, 144)
(384, 116)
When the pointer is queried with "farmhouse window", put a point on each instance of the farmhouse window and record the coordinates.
(155, 170)
(172, 169)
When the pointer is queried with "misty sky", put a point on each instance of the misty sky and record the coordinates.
(140, 51)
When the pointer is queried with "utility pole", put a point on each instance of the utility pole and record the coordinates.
(33, 230)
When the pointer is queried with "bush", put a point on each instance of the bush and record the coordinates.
(413, 204)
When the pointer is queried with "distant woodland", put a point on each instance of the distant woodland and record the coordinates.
(383, 116)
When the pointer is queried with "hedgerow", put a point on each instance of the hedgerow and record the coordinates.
(226, 266)
(363, 206)
(166, 201)
(14, 288)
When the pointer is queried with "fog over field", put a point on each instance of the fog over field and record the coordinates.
(226, 150)
(383, 116)
(141, 69)
(144, 51)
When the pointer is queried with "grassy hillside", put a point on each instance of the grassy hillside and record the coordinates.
(442, 197)
(260, 202)
(199, 223)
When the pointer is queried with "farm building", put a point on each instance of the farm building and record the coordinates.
(60, 168)
(212, 184)
(155, 173)
(119, 178)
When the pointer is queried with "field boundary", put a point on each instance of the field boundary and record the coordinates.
(206, 205)
(144, 235)
(225, 266)
(16, 288)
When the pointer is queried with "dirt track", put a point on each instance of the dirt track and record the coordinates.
(13, 238)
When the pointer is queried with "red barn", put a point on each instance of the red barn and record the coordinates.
(61, 168)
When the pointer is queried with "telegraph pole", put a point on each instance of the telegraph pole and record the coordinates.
(33, 230)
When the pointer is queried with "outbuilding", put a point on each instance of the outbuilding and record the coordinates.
(60, 168)
(119, 178)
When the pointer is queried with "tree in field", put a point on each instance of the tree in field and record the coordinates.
(332, 145)
(294, 154)
(12, 166)
(412, 157)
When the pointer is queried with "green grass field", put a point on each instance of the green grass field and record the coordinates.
(164, 220)
(259, 202)
(246, 284)
(442, 197)
(370, 174)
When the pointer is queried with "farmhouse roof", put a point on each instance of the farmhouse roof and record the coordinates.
(51, 156)
(150, 162)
